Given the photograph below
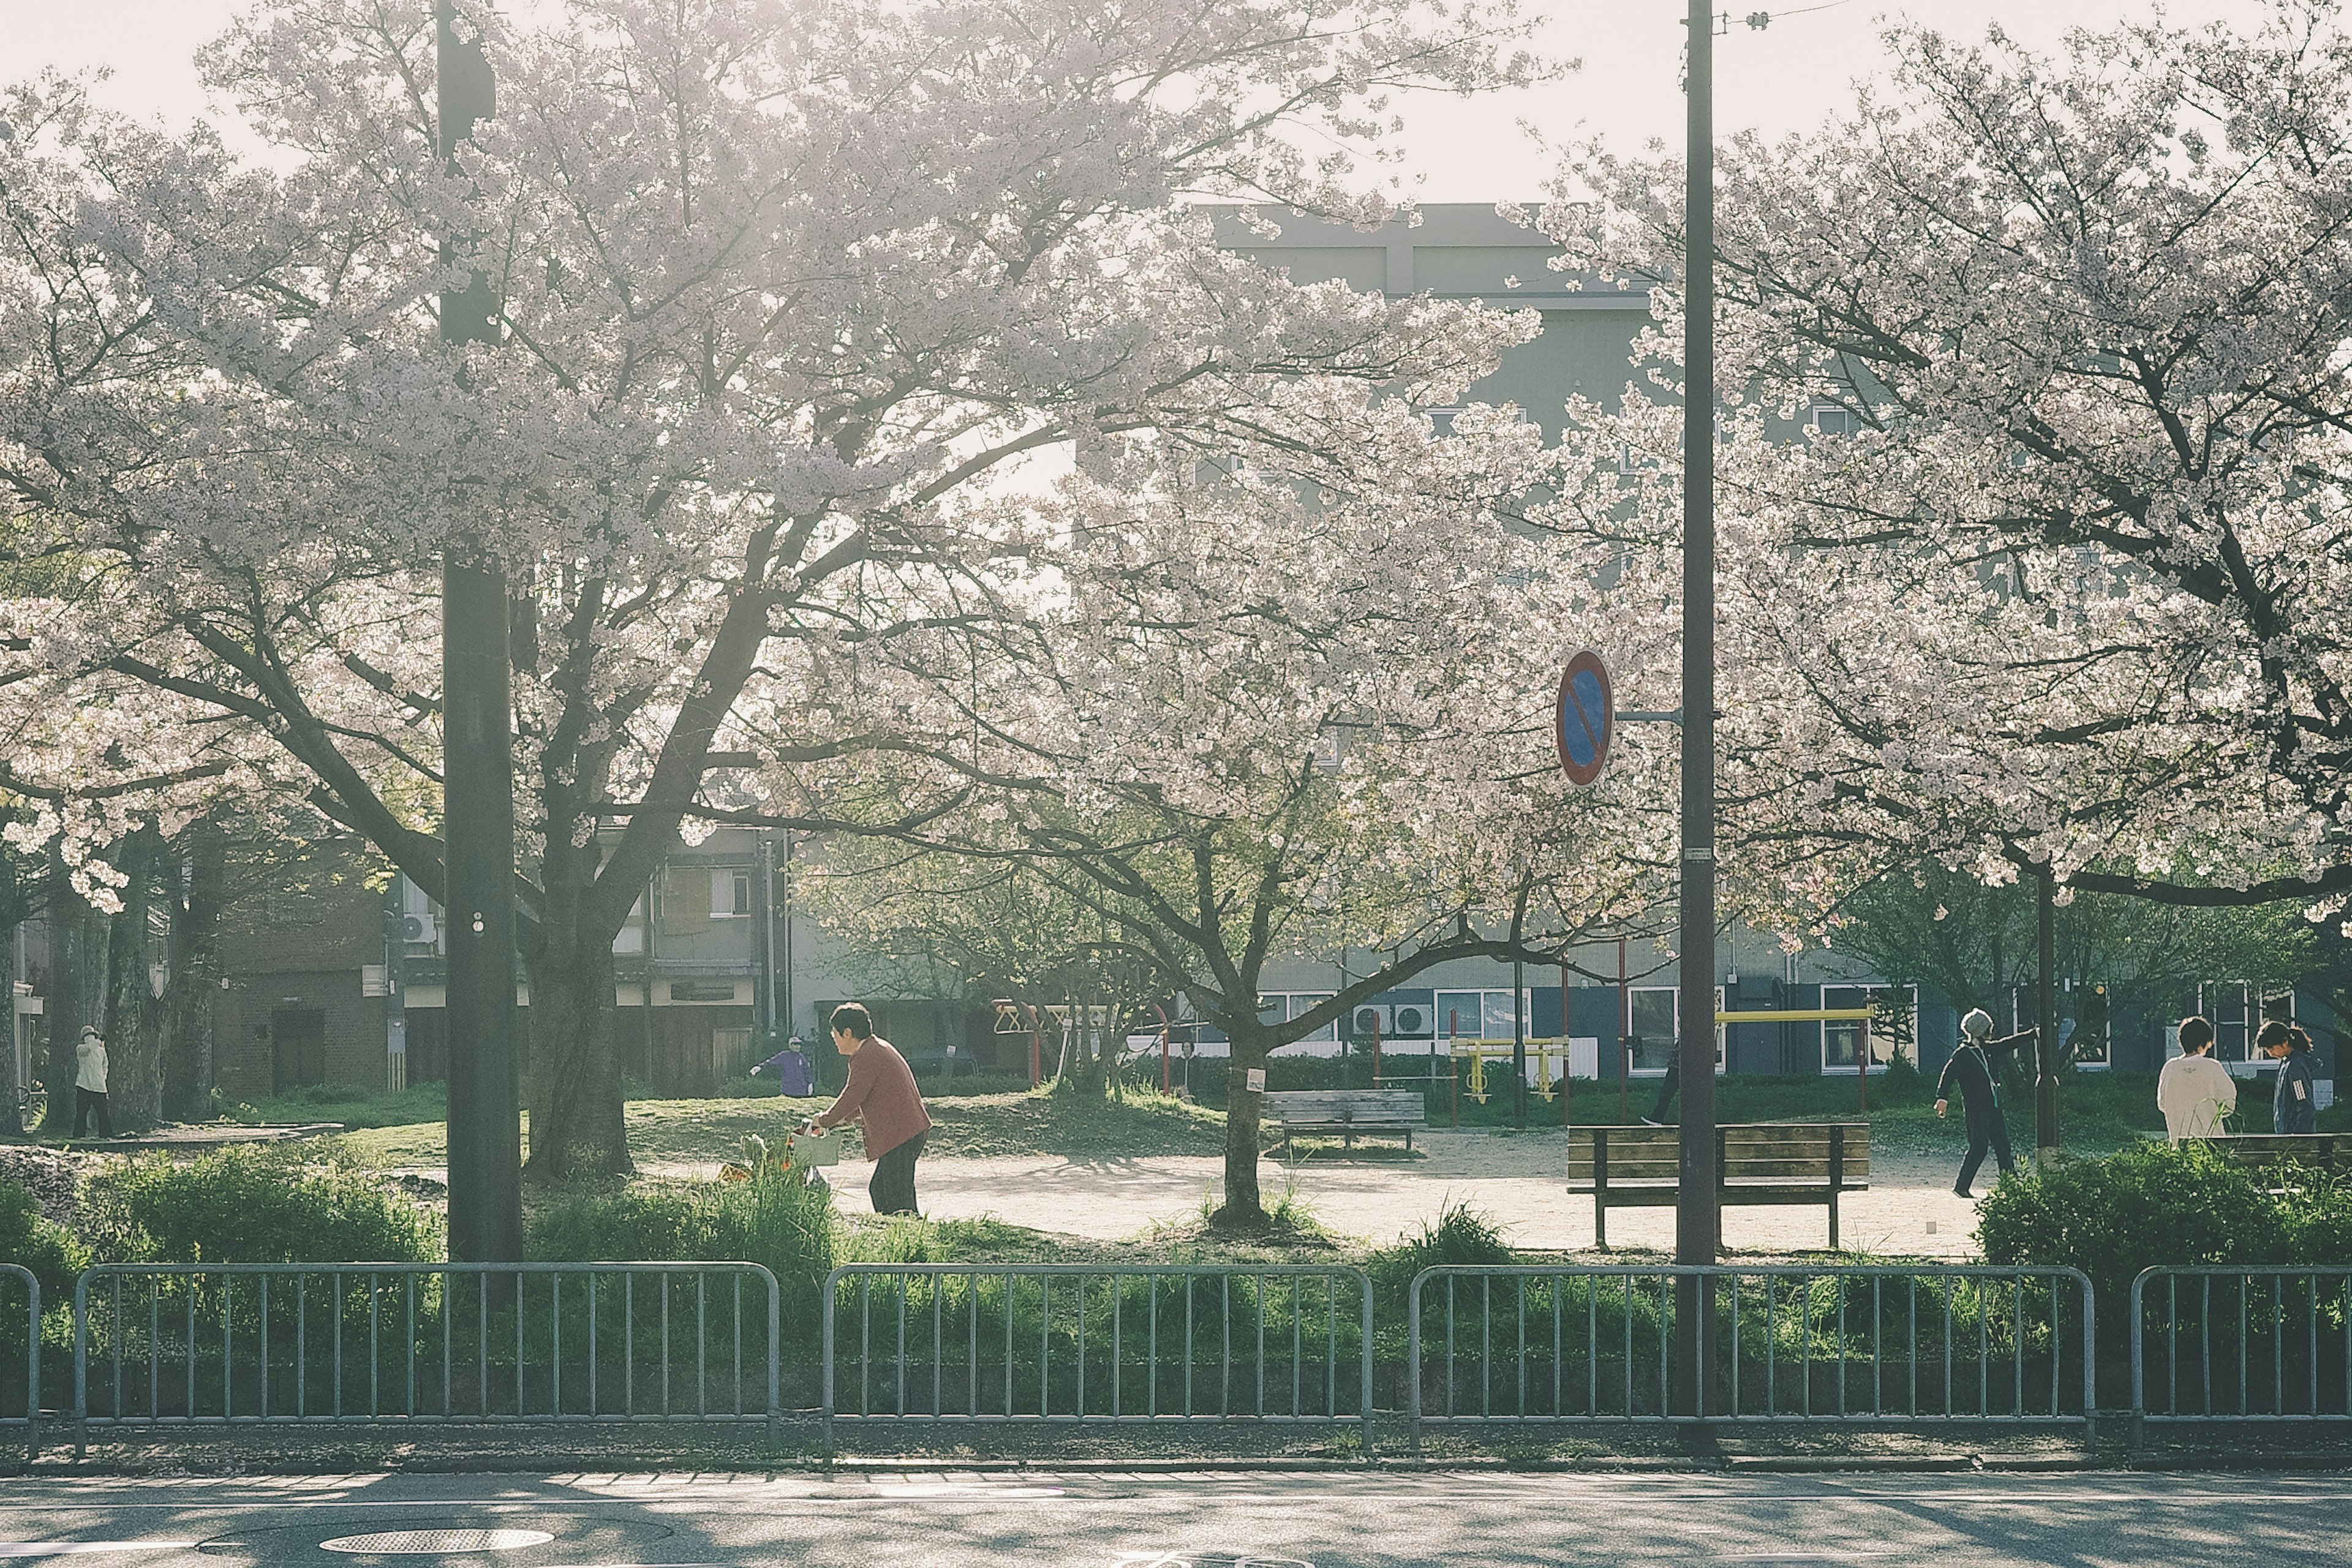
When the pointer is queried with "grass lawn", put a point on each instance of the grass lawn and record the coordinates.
(2098, 1112)
(678, 1131)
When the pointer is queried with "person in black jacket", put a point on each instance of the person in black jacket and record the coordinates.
(1971, 1070)
(2295, 1103)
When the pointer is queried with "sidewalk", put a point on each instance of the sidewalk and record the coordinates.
(1512, 1179)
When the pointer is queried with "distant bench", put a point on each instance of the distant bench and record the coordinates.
(1755, 1162)
(2267, 1154)
(1346, 1112)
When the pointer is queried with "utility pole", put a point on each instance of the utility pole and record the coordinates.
(478, 776)
(2045, 1082)
(1696, 1217)
(1518, 1044)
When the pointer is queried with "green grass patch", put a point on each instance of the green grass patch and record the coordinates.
(689, 1131)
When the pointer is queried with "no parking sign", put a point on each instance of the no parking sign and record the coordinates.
(1585, 717)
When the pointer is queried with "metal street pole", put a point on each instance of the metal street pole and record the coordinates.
(1518, 1044)
(1697, 1229)
(485, 1135)
(2045, 1082)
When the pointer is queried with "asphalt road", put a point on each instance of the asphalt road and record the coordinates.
(955, 1519)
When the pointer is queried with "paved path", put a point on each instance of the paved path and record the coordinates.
(1908, 1210)
(1268, 1520)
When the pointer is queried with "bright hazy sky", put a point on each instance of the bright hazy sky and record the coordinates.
(1785, 77)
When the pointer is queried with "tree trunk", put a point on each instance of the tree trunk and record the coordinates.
(576, 1123)
(1242, 1209)
(70, 1002)
(196, 891)
(12, 1124)
(135, 1015)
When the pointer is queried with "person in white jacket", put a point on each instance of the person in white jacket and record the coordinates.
(90, 1084)
(2194, 1091)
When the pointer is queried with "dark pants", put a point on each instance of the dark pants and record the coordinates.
(1990, 1130)
(1667, 1088)
(87, 1100)
(893, 1186)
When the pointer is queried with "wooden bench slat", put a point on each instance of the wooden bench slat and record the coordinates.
(1758, 1164)
(1348, 1111)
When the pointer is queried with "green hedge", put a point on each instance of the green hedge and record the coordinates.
(252, 1204)
(2154, 1203)
(787, 1227)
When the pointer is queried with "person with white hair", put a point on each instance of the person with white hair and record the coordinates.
(90, 1084)
(1970, 1071)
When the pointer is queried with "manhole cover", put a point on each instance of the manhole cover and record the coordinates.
(395, 1542)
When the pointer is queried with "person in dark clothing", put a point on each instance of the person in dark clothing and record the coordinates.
(2294, 1103)
(1667, 1089)
(1971, 1072)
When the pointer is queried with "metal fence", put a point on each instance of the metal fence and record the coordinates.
(1054, 1344)
(1889, 1344)
(423, 1343)
(20, 1380)
(2243, 1343)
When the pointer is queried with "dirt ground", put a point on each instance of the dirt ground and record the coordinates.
(1910, 1209)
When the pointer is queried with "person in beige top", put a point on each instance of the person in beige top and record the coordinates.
(90, 1084)
(2194, 1091)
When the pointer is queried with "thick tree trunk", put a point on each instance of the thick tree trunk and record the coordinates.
(78, 937)
(196, 973)
(134, 1087)
(1243, 1209)
(576, 1124)
(12, 1124)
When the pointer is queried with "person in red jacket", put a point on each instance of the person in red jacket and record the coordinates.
(881, 1096)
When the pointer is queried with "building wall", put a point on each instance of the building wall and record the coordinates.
(260, 1015)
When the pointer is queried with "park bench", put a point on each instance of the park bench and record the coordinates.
(1758, 1162)
(2269, 1154)
(1346, 1112)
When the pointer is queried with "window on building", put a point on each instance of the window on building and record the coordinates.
(1656, 1015)
(631, 937)
(1894, 1033)
(1833, 419)
(730, 894)
(1304, 1002)
(2090, 1042)
(1654, 1011)
(1480, 1014)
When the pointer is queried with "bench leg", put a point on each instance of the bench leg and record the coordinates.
(1833, 1219)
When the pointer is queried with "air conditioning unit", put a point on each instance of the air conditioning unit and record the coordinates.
(1412, 1022)
(419, 928)
(1369, 1021)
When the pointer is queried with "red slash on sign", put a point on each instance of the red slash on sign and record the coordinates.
(1586, 717)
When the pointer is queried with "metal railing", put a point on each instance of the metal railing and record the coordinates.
(404, 1344)
(16, 1277)
(1531, 1344)
(1077, 1343)
(2244, 1343)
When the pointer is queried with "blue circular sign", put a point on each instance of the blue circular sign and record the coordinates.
(1586, 717)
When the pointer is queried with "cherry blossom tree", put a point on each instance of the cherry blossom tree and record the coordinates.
(789, 299)
(2033, 522)
(1295, 709)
